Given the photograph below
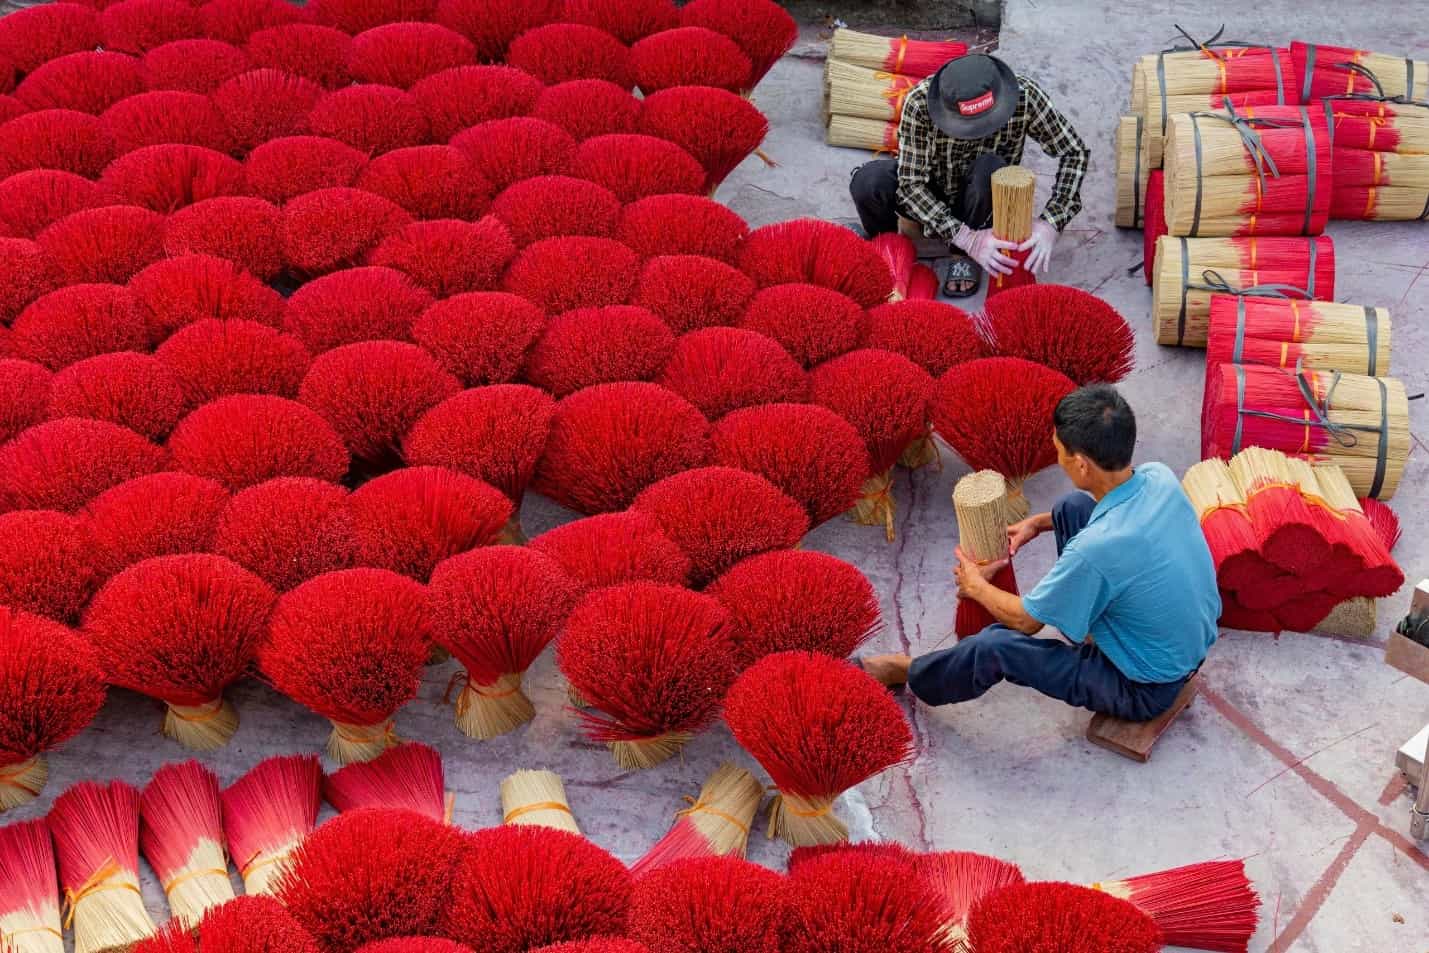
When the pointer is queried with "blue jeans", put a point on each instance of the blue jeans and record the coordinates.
(1079, 675)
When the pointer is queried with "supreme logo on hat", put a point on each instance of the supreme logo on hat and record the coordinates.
(972, 107)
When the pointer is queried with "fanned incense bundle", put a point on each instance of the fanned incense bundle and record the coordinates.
(962, 879)
(819, 726)
(1289, 333)
(1322, 71)
(1363, 565)
(182, 836)
(916, 58)
(1131, 173)
(865, 93)
(1059, 917)
(408, 777)
(706, 905)
(716, 824)
(266, 815)
(1286, 530)
(980, 501)
(96, 831)
(1207, 906)
(853, 132)
(1360, 423)
(536, 798)
(1013, 192)
(1190, 270)
(29, 894)
(1255, 171)
(901, 255)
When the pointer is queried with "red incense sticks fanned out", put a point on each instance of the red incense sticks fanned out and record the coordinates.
(408, 777)
(182, 837)
(614, 548)
(1207, 906)
(710, 904)
(1059, 916)
(961, 879)
(267, 813)
(715, 824)
(29, 891)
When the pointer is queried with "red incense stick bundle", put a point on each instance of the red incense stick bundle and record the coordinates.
(763, 29)
(182, 837)
(1322, 71)
(962, 879)
(923, 285)
(1060, 917)
(1285, 528)
(1289, 333)
(182, 629)
(819, 726)
(29, 893)
(614, 548)
(715, 824)
(409, 777)
(1359, 543)
(96, 831)
(1155, 224)
(267, 813)
(496, 610)
(254, 924)
(862, 900)
(1225, 522)
(653, 662)
(1013, 189)
(51, 687)
(710, 904)
(1064, 328)
(931, 334)
(820, 253)
(1384, 520)
(900, 55)
(1206, 906)
(996, 413)
(350, 646)
(898, 251)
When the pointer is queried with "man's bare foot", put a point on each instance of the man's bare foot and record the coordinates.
(889, 670)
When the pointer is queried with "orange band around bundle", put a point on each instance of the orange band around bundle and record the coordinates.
(97, 883)
(11, 778)
(212, 711)
(182, 879)
(533, 808)
(700, 807)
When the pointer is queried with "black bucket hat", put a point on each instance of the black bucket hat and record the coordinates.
(973, 96)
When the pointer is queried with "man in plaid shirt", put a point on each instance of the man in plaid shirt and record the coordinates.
(960, 126)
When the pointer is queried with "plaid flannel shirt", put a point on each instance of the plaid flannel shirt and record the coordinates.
(932, 165)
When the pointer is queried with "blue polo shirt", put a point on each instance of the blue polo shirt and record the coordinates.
(1139, 578)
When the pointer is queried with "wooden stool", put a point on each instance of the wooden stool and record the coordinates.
(1135, 739)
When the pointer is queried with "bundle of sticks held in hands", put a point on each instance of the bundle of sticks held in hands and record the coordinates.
(866, 79)
(1290, 541)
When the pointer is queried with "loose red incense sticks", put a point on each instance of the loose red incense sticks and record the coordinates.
(51, 687)
(901, 256)
(182, 837)
(819, 726)
(1207, 906)
(962, 879)
(267, 813)
(496, 610)
(29, 892)
(408, 777)
(715, 824)
(182, 628)
(96, 831)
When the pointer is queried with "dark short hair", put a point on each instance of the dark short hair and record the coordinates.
(1097, 422)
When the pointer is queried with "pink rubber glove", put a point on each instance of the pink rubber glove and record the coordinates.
(1043, 240)
(987, 250)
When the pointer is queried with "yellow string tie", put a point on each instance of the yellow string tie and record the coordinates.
(23, 930)
(700, 807)
(384, 732)
(97, 883)
(533, 808)
(820, 812)
(1215, 508)
(10, 777)
(208, 714)
(182, 879)
(259, 861)
(902, 52)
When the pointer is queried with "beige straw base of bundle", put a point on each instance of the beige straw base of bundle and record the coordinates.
(537, 799)
(1018, 507)
(980, 501)
(574, 696)
(202, 886)
(1360, 470)
(1131, 176)
(1014, 189)
(954, 937)
(437, 655)
(1394, 204)
(110, 915)
(262, 873)
(201, 727)
(352, 743)
(725, 809)
(853, 132)
(22, 781)
(1392, 73)
(805, 822)
(876, 507)
(25, 933)
(859, 49)
(648, 752)
(1355, 618)
(484, 712)
(512, 533)
(921, 453)
(865, 93)
(1166, 291)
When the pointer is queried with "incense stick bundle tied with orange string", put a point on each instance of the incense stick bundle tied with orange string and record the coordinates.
(1014, 190)
(865, 93)
(1289, 333)
(715, 824)
(536, 798)
(915, 58)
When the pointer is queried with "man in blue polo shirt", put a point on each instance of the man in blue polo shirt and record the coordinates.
(1133, 588)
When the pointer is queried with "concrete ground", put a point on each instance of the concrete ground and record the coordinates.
(1286, 759)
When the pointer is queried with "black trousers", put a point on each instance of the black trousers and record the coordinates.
(874, 187)
(1079, 675)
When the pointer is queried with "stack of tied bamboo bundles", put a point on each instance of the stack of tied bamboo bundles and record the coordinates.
(1358, 422)
(866, 79)
(1191, 76)
(1250, 171)
(1290, 542)
(1188, 271)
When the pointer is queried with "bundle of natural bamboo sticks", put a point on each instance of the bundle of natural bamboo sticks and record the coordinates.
(867, 78)
(1290, 542)
(1190, 270)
